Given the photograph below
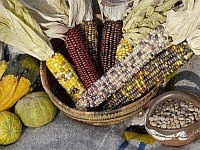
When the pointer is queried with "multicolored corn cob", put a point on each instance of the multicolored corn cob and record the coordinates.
(66, 76)
(123, 48)
(124, 70)
(89, 30)
(155, 71)
(79, 53)
(111, 36)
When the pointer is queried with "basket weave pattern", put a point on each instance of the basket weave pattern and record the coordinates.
(94, 118)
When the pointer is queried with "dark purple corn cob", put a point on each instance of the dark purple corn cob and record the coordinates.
(111, 36)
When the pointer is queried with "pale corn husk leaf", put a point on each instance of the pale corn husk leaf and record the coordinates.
(114, 10)
(80, 10)
(194, 41)
(184, 25)
(44, 18)
(66, 14)
(147, 15)
(137, 14)
(50, 21)
(16, 31)
(136, 35)
(60, 6)
(157, 19)
(188, 4)
(166, 6)
(57, 31)
(40, 5)
(23, 14)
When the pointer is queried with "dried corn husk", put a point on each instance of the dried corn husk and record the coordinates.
(80, 10)
(145, 16)
(184, 24)
(20, 30)
(113, 10)
(53, 16)
(62, 15)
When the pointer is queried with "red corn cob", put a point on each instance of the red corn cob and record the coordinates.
(79, 54)
(111, 36)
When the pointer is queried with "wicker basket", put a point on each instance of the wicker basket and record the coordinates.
(63, 102)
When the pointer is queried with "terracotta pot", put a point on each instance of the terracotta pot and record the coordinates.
(174, 137)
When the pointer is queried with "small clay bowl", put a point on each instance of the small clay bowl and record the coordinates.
(174, 137)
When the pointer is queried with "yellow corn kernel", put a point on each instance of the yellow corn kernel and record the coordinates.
(123, 48)
(66, 76)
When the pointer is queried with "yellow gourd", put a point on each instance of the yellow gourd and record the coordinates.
(3, 66)
(11, 90)
(10, 128)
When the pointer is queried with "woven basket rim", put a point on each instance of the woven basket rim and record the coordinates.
(95, 117)
(42, 73)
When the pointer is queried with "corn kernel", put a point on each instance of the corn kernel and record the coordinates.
(64, 73)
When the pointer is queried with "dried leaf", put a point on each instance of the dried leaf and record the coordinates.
(44, 19)
(57, 31)
(66, 14)
(113, 3)
(114, 9)
(23, 14)
(145, 15)
(80, 10)
(21, 31)
(181, 19)
(59, 5)
(194, 41)
(166, 5)
(184, 25)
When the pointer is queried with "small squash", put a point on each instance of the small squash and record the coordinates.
(36, 109)
(10, 128)
(19, 78)
(24, 65)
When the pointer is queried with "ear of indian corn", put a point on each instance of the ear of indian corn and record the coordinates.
(155, 71)
(124, 70)
(111, 36)
(66, 76)
(122, 49)
(82, 61)
(89, 30)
